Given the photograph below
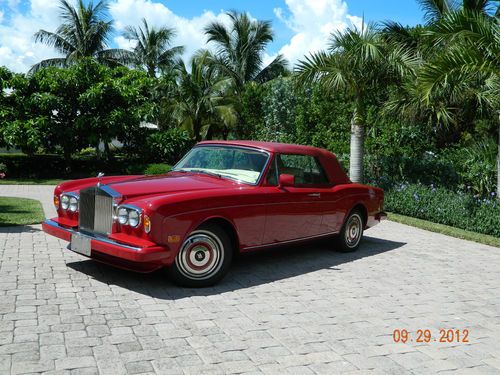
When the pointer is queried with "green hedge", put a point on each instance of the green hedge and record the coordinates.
(53, 166)
(439, 205)
(157, 168)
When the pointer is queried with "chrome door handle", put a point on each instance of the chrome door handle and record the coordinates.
(317, 195)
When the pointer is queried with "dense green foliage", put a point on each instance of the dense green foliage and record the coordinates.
(168, 145)
(157, 168)
(51, 166)
(462, 210)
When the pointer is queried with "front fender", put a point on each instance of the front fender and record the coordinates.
(177, 228)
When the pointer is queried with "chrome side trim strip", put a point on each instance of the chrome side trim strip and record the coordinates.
(291, 241)
(100, 239)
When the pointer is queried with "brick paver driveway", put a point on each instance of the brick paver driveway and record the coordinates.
(298, 310)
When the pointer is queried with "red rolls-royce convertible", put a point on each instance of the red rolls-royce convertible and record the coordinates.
(222, 197)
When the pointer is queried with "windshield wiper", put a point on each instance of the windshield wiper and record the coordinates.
(199, 171)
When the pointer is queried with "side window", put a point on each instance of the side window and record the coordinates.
(306, 169)
(272, 174)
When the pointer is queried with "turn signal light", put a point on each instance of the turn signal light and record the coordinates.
(56, 202)
(147, 224)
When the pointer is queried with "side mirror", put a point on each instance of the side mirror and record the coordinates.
(287, 180)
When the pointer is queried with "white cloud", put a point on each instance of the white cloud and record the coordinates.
(18, 50)
(189, 31)
(312, 22)
(356, 21)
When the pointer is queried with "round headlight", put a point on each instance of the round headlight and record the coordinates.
(133, 218)
(73, 204)
(64, 202)
(122, 215)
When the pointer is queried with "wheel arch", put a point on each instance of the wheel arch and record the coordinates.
(227, 226)
(359, 207)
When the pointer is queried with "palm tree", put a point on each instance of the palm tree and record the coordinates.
(468, 68)
(357, 62)
(459, 75)
(203, 105)
(84, 33)
(152, 50)
(240, 48)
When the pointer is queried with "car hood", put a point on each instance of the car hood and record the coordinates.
(174, 182)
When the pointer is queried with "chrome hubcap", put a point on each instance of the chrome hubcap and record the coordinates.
(200, 256)
(353, 230)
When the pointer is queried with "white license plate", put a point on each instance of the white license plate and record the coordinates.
(80, 244)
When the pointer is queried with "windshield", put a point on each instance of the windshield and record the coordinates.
(236, 163)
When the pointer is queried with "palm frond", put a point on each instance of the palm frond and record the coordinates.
(53, 40)
(277, 67)
(55, 62)
(240, 46)
(435, 9)
(328, 69)
(152, 50)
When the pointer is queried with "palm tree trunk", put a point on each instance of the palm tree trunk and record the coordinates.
(197, 130)
(357, 152)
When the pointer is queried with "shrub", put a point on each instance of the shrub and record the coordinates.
(168, 145)
(440, 205)
(475, 165)
(426, 169)
(54, 166)
(157, 168)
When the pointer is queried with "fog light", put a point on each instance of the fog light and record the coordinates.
(147, 224)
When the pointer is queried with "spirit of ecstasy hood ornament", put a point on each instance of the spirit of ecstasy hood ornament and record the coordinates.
(100, 175)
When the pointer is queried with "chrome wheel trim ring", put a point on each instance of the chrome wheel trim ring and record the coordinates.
(353, 230)
(201, 256)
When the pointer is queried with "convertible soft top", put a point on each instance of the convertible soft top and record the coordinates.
(328, 160)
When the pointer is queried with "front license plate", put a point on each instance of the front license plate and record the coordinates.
(80, 244)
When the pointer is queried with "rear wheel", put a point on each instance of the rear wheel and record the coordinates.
(204, 257)
(351, 232)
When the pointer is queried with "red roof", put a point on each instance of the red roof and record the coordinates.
(271, 146)
(328, 160)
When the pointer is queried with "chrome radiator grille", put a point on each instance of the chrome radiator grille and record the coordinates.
(96, 211)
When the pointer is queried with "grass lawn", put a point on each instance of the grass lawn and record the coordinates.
(32, 181)
(20, 211)
(445, 229)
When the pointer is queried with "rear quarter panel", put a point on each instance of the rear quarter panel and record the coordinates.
(343, 198)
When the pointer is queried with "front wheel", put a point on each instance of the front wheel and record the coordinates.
(351, 233)
(204, 257)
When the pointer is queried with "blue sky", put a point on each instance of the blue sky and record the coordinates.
(300, 26)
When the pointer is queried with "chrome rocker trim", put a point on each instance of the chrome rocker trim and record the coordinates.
(52, 223)
(297, 240)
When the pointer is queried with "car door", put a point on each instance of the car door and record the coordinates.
(295, 212)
